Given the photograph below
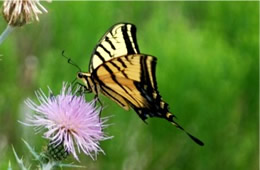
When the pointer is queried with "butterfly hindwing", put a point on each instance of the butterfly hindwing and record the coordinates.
(113, 95)
(132, 77)
(119, 40)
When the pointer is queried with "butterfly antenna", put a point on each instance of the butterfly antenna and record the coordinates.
(70, 61)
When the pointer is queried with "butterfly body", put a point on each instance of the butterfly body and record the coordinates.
(120, 72)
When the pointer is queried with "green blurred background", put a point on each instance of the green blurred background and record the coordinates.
(207, 71)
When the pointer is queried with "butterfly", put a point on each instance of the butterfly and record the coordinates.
(119, 71)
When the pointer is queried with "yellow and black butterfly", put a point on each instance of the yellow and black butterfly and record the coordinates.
(119, 71)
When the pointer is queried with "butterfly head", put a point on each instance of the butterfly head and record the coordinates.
(86, 78)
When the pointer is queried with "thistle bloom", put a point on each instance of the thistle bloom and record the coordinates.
(20, 12)
(69, 120)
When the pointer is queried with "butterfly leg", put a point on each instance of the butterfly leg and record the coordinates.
(96, 98)
(82, 89)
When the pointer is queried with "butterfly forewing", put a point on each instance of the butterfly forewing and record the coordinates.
(119, 40)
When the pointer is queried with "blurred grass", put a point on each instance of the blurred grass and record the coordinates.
(207, 71)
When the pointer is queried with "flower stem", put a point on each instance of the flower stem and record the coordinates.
(6, 32)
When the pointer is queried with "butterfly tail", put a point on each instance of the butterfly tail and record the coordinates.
(170, 118)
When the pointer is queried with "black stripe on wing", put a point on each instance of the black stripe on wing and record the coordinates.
(110, 43)
(108, 92)
(99, 56)
(148, 66)
(133, 33)
(108, 52)
(128, 43)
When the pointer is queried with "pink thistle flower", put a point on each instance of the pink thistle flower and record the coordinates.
(69, 120)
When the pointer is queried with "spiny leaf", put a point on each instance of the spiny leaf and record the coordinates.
(35, 154)
(69, 165)
(9, 166)
(19, 161)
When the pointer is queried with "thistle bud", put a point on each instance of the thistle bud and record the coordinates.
(57, 152)
(20, 12)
